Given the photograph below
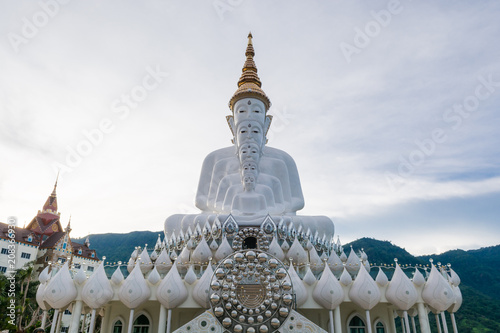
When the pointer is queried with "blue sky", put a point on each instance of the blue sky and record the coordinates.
(390, 110)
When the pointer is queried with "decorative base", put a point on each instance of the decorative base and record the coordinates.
(207, 323)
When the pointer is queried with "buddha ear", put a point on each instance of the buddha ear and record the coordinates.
(232, 127)
(230, 122)
(267, 125)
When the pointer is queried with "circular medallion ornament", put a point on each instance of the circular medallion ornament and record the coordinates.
(251, 291)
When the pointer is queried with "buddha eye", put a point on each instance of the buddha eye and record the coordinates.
(256, 111)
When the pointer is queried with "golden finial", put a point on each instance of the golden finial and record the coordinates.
(249, 84)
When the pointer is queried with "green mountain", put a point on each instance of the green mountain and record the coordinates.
(478, 268)
(478, 271)
(119, 247)
(383, 252)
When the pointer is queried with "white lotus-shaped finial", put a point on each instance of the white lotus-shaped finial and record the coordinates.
(401, 292)
(60, 290)
(328, 292)
(202, 288)
(134, 290)
(97, 291)
(437, 291)
(364, 291)
(172, 292)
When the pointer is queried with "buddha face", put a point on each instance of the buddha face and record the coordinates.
(249, 109)
(249, 131)
(250, 168)
(249, 152)
(249, 181)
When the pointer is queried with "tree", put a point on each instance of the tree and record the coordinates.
(5, 320)
(27, 311)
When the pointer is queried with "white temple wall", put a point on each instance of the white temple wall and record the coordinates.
(117, 310)
(379, 313)
(151, 309)
(319, 316)
(85, 263)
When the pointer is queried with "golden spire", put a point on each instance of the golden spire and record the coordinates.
(249, 83)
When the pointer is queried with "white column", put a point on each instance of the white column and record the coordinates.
(407, 322)
(437, 323)
(92, 322)
(169, 320)
(130, 321)
(54, 321)
(392, 320)
(403, 326)
(44, 318)
(75, 317)
(443, 319)
(59, 320)
(368, 321)
(83, 323)
(162, 321)
(338, 320)
(332, 329)
(423, 319)
(413, 325)
(454, 323)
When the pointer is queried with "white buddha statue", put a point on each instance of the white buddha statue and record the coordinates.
(249, 124)
(275, 189)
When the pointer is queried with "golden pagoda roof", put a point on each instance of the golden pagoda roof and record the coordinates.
(249, 84)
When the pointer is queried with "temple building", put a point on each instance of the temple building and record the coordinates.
(248, 262)
(44, 241)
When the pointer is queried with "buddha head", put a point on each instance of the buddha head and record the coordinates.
(249, 131)
(249, 152)
(249, 109)
(249, 167)
(249, 182)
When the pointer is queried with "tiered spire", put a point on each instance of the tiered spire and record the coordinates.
(51, 203)
(46, 221)
(249, 74)
(249, 84)
(68, 227)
